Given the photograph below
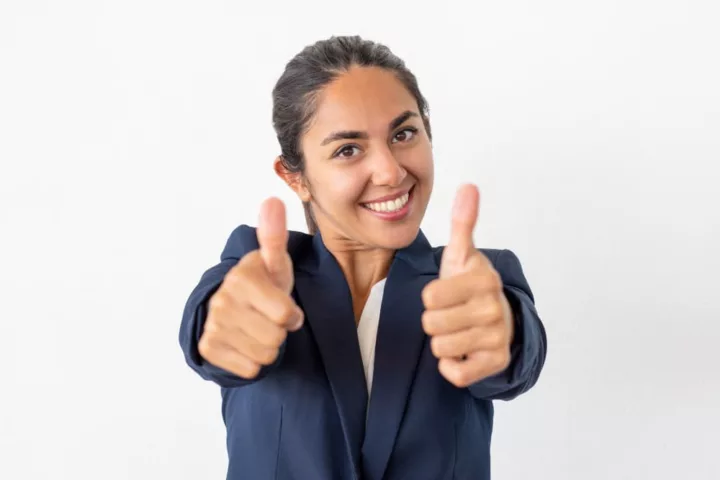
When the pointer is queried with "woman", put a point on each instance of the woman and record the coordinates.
(359, 351)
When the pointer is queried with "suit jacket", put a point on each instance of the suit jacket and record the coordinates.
(307, 417)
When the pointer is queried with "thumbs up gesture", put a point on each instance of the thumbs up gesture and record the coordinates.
(466, 313)
(252, 311)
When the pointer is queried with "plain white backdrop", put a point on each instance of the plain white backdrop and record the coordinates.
(135, 135)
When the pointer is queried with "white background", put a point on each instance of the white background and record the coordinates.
(134, 136)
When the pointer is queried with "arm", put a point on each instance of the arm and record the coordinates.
(529, 344)
(242, 240)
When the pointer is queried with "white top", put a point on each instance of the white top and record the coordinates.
(367, 330)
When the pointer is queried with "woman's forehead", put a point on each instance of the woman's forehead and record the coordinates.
(363, 99)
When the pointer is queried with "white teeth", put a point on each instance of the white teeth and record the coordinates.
(389, 206)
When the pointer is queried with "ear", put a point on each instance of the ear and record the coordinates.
(294, 180)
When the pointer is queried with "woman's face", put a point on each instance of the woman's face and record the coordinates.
(369, 165)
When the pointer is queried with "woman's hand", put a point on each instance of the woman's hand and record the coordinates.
(250, 314)
(467, 314)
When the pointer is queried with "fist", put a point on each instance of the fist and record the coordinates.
(466, 313)
(252, 311)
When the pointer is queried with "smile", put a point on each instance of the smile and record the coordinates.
(393, 207)
(389, 205)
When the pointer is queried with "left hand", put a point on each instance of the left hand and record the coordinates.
(467, 314)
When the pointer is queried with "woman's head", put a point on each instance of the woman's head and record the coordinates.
(354, 130)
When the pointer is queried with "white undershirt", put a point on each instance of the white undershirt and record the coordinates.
(367, 330)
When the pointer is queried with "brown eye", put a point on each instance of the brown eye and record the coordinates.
(347, 151)
(404, 135)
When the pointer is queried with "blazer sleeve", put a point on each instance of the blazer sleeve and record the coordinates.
(242, 241)
(529, 345)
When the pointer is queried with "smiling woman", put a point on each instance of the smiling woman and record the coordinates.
(395, 206)
(359, 350)
(327, 74)
(366, 144)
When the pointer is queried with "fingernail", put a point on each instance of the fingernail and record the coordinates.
(269, 212)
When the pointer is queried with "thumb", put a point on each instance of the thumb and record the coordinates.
(272, 236)
(464, 217)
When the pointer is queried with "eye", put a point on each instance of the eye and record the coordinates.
(348, 151)
(404, 135)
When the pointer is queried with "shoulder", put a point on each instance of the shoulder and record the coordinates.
(243, 240)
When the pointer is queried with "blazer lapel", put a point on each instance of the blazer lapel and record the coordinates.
(325, 298)
(399, 342)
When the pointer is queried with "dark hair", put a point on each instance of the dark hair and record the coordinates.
(295, 94)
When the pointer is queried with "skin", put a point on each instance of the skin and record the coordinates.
(467, 314)
(341, 174)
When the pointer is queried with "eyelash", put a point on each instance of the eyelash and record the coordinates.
(412, 130)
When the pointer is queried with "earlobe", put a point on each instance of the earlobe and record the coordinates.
(304, 193)
(294, 180)
(300, 188)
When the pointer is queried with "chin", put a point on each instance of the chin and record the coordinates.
(398, 237)
(394, 228)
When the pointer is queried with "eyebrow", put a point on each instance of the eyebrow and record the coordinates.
(355, 134)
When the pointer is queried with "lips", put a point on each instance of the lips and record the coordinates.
(392, 208)
(392, 205)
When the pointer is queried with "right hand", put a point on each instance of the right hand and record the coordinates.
(252, 311)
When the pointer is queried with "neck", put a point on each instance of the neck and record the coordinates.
(362, 265)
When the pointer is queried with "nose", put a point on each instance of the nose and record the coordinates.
(387, 171)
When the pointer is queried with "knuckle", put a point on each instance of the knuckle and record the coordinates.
(488, 311)
(496, 310)
(219, 313)
(286, 313)
(249, 370)
(276, 337)
(249, 260)
(426, 321)
(206, 347)
(430, 322)
(429, 294)
(482, 261)
(501, 361)
(239, 277)
(496, 338)
(426, 297)
(218, 302)
(436, 346)
(235, 278)
(211, 326)
(288, 309)
(477, 309)
(506, 359)
(493, 279)
(452, 371)
(232, 277)
(461, 377)
(269, 355)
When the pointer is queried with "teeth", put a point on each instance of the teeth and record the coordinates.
(389, 206)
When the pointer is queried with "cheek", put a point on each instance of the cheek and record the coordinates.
(338, 188)
(419, 162)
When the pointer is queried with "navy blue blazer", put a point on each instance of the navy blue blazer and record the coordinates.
(304, 417)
